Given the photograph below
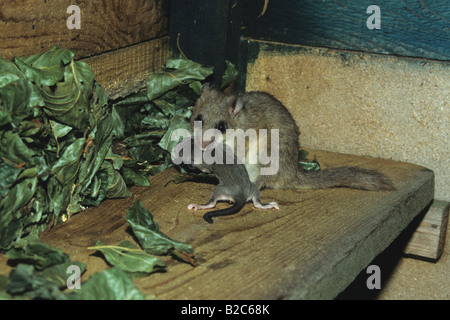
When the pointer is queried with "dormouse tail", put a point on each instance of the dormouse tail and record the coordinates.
(350, 177)
(235, 208)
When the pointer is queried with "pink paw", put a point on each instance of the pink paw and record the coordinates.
(193, 206)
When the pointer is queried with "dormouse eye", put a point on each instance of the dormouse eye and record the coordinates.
(198, 118)
(222, 126)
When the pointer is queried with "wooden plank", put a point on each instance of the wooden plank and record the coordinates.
(313, 247)
(429, 238)
(30, 26)
(126, 71)
(408, 28)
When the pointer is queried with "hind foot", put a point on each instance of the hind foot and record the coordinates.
(270, 205)
(196, 207)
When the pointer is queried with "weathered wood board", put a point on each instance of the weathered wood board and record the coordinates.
(406, 28)
(30, 26)
(312, 248)
(428, 240)
(127, 70)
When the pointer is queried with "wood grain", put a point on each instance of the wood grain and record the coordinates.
(429, 238)
(313, 247)
(417, 28)
(30, 26)
(127, 70)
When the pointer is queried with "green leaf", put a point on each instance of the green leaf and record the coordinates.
(129, 258)
(58, 274)
(111, 284)
(156, 120)
(17, 197)
(9, 72)
(24, 281)
(229, 75)
(177, 72)
(148, 234)
(146, 152)
(66, 168)
(8, 175)
(15, 150)
(66, 86)
(137, 178)
(59, 130)
(32, 251)
(18, 100)
(118, 124)
(307, 165)
(117, 188)
(177, 122)
(47, 67)
(68, 102)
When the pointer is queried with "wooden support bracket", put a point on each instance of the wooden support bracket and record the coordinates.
(428, 241)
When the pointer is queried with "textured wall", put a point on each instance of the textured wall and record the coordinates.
(363, 104)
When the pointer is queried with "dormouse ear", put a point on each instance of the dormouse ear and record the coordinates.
(238, 104)
(206, 87)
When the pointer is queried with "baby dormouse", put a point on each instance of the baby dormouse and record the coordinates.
(234, 184)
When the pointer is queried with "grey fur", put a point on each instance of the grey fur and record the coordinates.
(260, 110)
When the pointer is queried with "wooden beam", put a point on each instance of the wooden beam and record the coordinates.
(126, 71)
(312, 248)
(408, 28)
(429, 238)
(206, 31)
(29, 26)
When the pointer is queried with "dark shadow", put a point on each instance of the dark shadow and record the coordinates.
(387, 261)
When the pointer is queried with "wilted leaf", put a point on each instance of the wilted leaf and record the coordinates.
(15, 150)
(47, 67)
(17, 197)
(137, 178)
(41, 271)
(25, 281)
(229, 75)
(49, 284)
(307, 165)
(169, 141)
(117, 187)
(34, 252)
(129, 258)
(9, 72)
(66, 168)
(59, 130)
(18, 101)
(8, 175)
(147, 232)
(177, 72)
(111, 284)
